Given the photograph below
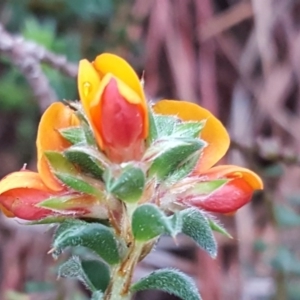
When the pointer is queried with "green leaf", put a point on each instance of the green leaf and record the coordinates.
(94, 154)
(74, 135)
(129, 186)
(66, 172)
(196, 226)
(59, 163)
(148, 222)
(94, 274)
(153, 134)
(61, 203)
(48, 220)
(207, 187)
(79, 184)
(174, 157)
(171, 281)
(219, 228)
(165, 125)
(184, 170)
(89, 135)
(87, 163)
(94, 236)
(188, 129)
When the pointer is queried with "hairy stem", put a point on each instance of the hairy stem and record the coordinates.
(122, 275)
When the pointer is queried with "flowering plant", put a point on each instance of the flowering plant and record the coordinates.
(115, 173)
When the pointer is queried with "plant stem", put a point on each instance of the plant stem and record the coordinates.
(122, 275)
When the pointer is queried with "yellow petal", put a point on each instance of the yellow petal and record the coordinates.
(231, 171)
(214, 133)
(22, 179)
(119, 68)
(56, 117)
(88, 83)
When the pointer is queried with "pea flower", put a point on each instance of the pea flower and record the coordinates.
(114, 102)
(84, 154)
(221, 189)
(21, 192)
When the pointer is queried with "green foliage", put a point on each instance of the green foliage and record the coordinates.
(196, 226)
(129, 186)
(173, 154)
(59, 163)
(94, 236)
(74, 135)
(170, 281)
(162, 126)
(87, 163)
(148, 222)
(95, 274)
(215, 226)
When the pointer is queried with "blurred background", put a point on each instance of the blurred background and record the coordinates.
(238, 58)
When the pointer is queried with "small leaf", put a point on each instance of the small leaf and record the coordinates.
(175, 157)
(219, 228)
(66, 172)
(94, 236)
(196, 226)
(171, 281)
(207, 187)
(78, 184)
(89, 136)
(98, 157)
(94, 274)
(165, 125)
(67, 202)
(87, 163)
(184, 170)
(98, 273)
(148, 222)
(59, 163)
(74, 135)
(188, 129)
(153, 134)
(129, 186)
(48, 220)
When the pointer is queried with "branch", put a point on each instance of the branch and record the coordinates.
(27, 57)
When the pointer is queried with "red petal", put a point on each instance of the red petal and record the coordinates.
(121, 124)
(21, 202)
(227, 199)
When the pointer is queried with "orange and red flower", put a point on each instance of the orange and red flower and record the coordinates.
(21, 192)
(114, 102)
(115, 106)
(240, 183)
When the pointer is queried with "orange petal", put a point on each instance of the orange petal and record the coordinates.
(88, 83)
(231, 171)
(6, 212)
(22, 187)
(22, 179)
(214, 133)
(56, 117)
(119, 68)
